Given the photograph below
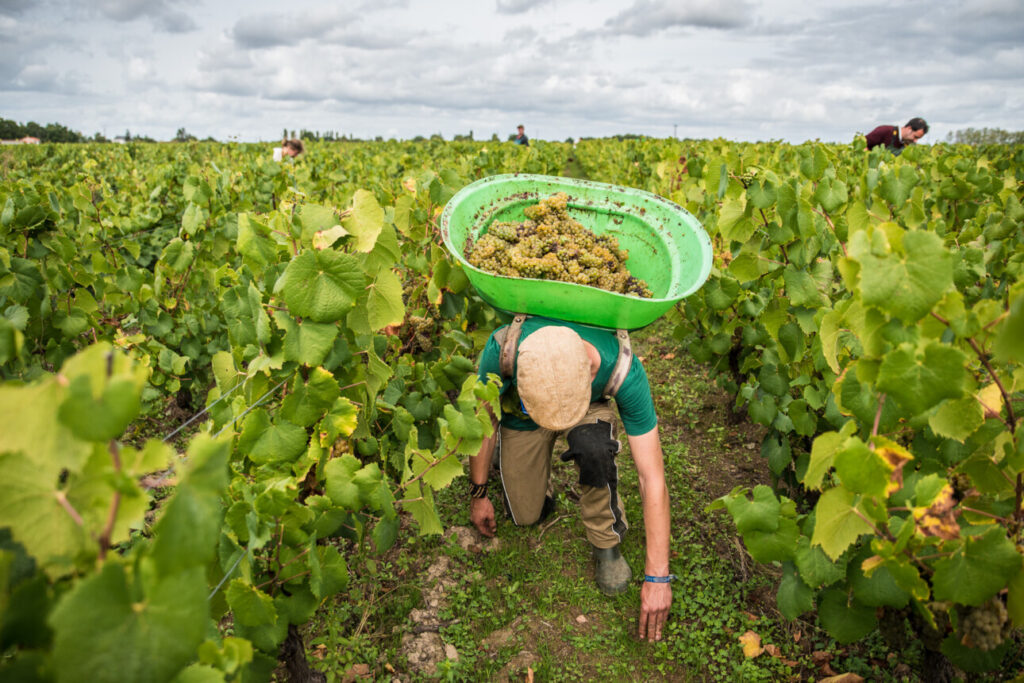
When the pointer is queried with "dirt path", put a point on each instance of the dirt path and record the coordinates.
(524, 604)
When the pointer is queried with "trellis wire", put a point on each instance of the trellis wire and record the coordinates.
(202, 412)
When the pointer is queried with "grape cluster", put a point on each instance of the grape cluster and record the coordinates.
(422, 333)
(551, 245)
(961, 484)
(985, 627)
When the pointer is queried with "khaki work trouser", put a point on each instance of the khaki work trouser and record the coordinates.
(525, 463)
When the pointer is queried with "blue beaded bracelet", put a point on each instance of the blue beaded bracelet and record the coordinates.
(659, 579)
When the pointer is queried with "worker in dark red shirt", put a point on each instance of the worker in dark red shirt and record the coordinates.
(897, 138)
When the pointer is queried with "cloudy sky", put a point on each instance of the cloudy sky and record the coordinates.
(740, 69)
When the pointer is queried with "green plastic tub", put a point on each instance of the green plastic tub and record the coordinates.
(667, 247)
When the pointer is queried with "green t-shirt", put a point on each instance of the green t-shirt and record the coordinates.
(636, 407)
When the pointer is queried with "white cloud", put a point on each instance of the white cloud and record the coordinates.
(43, 78)
(518, 6)
(12, 7)
(742, 69)
(648, 17)
(140, 69)
(163, 16)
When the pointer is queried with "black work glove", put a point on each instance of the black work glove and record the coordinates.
(593, 449)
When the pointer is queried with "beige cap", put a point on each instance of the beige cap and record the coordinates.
(553, 377)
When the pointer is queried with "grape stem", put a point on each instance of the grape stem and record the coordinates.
(68, 507)
(431, 466)
(115, 503)
(878, 419)
(1011, 418)
(832, 226)
(984, 514)
(885, 533)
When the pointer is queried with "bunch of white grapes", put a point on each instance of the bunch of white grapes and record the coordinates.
(551, 245)
(986, 626)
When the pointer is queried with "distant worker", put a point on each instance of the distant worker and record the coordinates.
(897, 138)
(521, 138)
(288, 148)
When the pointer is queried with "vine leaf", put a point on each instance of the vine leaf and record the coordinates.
(734, 220)
(186, 534)
(420, 504)
(29, 424)
(438, 469)
(870, 471)
(340, 421)
(794, 596)
(250, 605)
(321, 285)
(920, 380)
(907, 285)
(838, 525)
(306, 342)
(823, 453)
(844, 619)
(876, 586)
(384, 305)
(957, 418)
(816, 569)
(759, 514)
(801, 287)
(1007, 346)
(265, 442)
(339, 474)
(319, 225)
(178, 255)
(99, 406)
(254, 241)
(366, 220)
(328, 571)
(116, 627)
(192, 219)
(978, 570)
(307, 401)
(30, 506)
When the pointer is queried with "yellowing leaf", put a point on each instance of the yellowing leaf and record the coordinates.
(938, 519)
(871, 564)
(991, 399)
(751, 643)
(325, 238)
(896, 456)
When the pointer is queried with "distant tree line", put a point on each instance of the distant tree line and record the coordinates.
(327, 135)
(986, 136)
(55, 132)
(51, 132)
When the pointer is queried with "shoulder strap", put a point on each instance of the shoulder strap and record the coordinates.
(508, 339)
(622, 363)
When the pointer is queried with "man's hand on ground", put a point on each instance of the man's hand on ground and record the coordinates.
(481, 513)
(655, 599)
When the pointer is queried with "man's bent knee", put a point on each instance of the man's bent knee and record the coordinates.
(594, 450)
(532, 517)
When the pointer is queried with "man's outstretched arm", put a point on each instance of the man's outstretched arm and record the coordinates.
(481, 511)
(655, 598)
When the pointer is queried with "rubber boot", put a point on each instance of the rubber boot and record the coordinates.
(611, 571)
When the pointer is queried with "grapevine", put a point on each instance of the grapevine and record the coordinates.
(865, 310)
